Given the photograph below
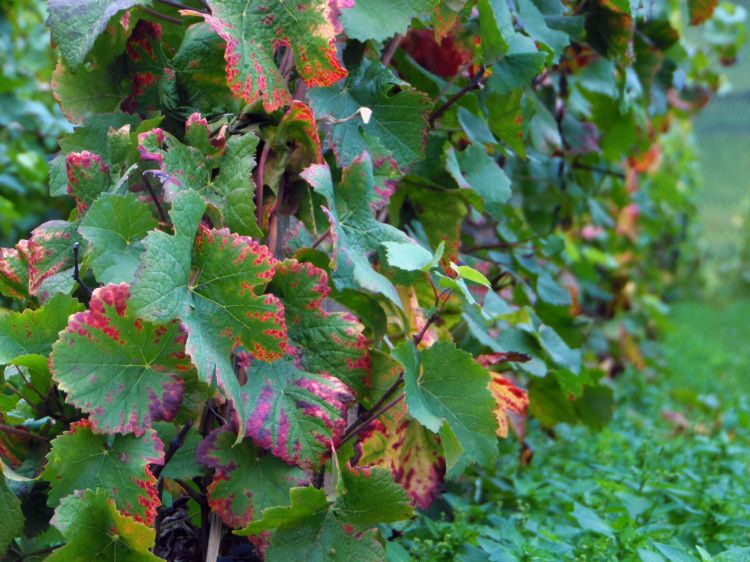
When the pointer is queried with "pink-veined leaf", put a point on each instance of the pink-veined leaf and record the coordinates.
(81, 459)
(254, 29)
(123, 371)
(329, 343)
(246, 480)
(296, 415)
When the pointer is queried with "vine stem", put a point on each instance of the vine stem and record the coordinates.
(259, 183)
(164, 17)
(476, 82)
(391, 49)
(179, 5)
(22, 432)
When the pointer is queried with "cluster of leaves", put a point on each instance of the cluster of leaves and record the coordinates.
(333, 243)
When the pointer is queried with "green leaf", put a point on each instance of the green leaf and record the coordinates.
(34, 331)
(298, 416)
(75, 24)
(397, 126)
(316, 529)
(409, 257)
(328, 343)
(123, 371)
(475, 169)
(470, 274)
(588, 520)
(381, 19)
(10, 515)
(355, 232)
(444, 385)
(199, 66)
(535, 24)
(192, 167)
(83, 460)
(183, 463)
(96, 530)
(253, 30)
(114, 227)
(497, 33)
(246, 480)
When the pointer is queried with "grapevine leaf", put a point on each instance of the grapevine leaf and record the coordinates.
(81, 459)
(254, 29)
(329, 343)
(182, 464)
(152, 80)
(296, 415)
(508, 397)
(114, 227)
(409, 257)
(199, 66)
(88, 177)
(91, 89)
(398, 120)
(124, 372)
(398, 443)
(246, 481)
(34, 331)
(381, 19)
(96, 530)
(160, 290)
(14, 271)
(475, 169)
(444, 386)
(355, 232)
(298, 125)
(10, 515)
(75, 25)
(535, 24)
(51, 258)
(316, 529)
(186, 167)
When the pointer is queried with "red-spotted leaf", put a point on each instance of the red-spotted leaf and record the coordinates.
(329, 343)
(508, 398)
(123, 371)
(294, 414)
(355, 232)
(255, 29)
(88, 177)
(81, 459)
(95, 530)
(34, 331)
(298, 126)
(14, 271)
(413, 455)
(153, 83)
(246, 480)
(51, 258)
(214, 292)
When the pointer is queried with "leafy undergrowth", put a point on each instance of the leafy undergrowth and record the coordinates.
(666, 480)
